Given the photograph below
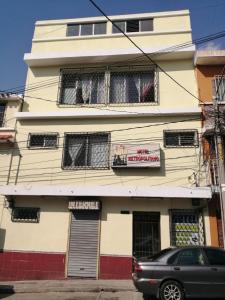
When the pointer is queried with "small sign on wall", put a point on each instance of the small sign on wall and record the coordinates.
(136, 156)
(84, 205)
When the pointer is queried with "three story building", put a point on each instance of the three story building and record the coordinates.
(110, 144)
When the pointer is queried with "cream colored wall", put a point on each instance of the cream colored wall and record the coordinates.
(43, 166)
(172, 23)
(116, 228)
(5, 157)
(113, 42)
(50, 235)
(170, 94)
(168, 23)
(11, 108)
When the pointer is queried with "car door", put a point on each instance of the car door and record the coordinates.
(191, 270)
(216, 270)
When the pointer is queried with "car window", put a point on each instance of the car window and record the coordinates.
(172, 259)
(190, 257)
(215, 257)
(160, 254)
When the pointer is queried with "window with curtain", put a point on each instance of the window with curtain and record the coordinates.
(109, 86)
(86, 151)
(219, 88)
(84, 88)
(132, 87)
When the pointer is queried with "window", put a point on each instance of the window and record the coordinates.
(108, 87)
(186, 228)
(219, 88)
(43, 140)
(84, 151)
(215, 257)
(26, 214)
(82, 88)
(86, 29)
(132, 87)
(133, 25)
(190, 257)
(2, 113)
(181, 138)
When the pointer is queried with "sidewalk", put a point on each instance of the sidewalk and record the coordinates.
(67, 285)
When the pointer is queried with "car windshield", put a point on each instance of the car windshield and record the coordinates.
(159, 254)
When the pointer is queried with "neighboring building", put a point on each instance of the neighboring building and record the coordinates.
(210, 68)
(111, 163)
(9, 105)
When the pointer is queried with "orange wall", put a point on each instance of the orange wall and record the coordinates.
(205, 74)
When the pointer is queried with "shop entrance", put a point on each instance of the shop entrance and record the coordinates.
(187, 227)
(146, 233)
(83, 244)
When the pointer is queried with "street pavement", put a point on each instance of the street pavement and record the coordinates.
(74, 296)
(69, 290)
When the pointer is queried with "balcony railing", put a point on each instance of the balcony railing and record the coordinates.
(108, 86)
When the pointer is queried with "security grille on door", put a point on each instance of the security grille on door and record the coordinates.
(83, 244)
(187, 228)
(146, 233)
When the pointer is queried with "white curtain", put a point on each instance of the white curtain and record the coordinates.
(86, 87)
(98, 152)
(75, 146)
(117, 88)
(98, 90)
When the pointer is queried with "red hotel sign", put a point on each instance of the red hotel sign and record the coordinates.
(136, 156)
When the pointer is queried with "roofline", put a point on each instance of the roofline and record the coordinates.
(115, 17)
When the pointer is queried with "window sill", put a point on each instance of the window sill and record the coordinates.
(126, 104)
(84, 168)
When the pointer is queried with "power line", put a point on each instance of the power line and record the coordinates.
(143, 52)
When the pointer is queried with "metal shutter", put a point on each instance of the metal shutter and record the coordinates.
(83, 245)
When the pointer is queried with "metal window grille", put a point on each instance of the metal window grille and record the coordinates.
(219, 87)
(181, 138)
(86, 151)
(2, 114)
(108, 87)
(146, 233)
(26, 214)
(132, 87)
(43, 140)
(187, 228)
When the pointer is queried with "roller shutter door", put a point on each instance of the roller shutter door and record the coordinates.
(83, 245)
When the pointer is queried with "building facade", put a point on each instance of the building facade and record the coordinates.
(211, 84)
(9, 105)
(111, 161)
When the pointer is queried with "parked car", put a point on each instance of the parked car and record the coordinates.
(177, 273)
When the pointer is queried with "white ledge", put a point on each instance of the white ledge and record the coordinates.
(105, 55)
(113, 112)
(105, 191)
(3, 129)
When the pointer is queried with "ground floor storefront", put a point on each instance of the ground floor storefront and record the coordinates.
(56, 237)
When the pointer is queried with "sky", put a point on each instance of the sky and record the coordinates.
(18, 18)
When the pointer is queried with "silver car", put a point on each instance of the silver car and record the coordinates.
(177, 273)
